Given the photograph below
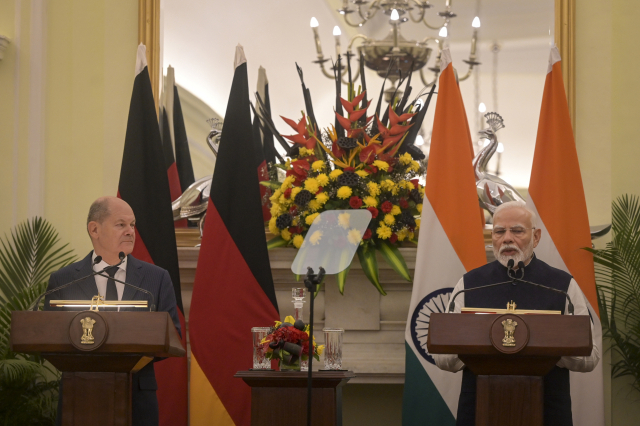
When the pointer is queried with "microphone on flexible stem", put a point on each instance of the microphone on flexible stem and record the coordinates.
(97, 260)
(521, 267)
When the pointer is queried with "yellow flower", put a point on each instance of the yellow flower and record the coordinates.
(414, 166)
(411, 235)
(322, 179)
(402, 234)
(306, 152)
(395, 210)
(285, 234)
(277, 324)
(417, 224)
(298, 240)
(295, 192)
(276, 209)
(275, 196)
(374, 189)
(344, 192)
(289, 319)
(334, 174)
(309, 220)
(322, 197)
(317, 165)
(315, 237)
(410, 186)
(383, 165)
(314, 205)
(362, 173)
(389, 185)
(354, 236)
(287, 183)
(389, 219)
(383, 231)
(419, 207)
(320, 349)
(272, 226)
(405, 158)
(311, 185)
(283, 200)
(343, 220)
(370, 201)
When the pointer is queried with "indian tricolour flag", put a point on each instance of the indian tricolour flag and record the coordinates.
(450, 244)
(557, 195)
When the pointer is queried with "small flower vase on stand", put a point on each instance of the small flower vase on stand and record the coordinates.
(286, 367)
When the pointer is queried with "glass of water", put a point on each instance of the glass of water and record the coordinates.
(333, 348)
(260, 362)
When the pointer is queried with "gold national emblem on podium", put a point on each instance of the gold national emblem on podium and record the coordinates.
(509, 329)
(87, 331)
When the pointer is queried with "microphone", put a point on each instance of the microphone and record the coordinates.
(153, 299)
(97, 260)
(521, 267)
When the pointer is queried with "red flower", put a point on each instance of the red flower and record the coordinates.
(374, 212)
(293, 210)
(302, 138)
(393, 238)
(320, 189)
(415, 183)
(336, 150)
(386, 206)
(287, 193)
(367, 233)
(368, 154)
(403, 203)
(371, 169)
(349, 169)
(296, 229)
(355, 202)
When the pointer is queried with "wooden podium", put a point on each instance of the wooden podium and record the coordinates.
(509, 360)
(96, 352)
(280, 397)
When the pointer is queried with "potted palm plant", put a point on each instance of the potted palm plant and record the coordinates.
(618, 285)
(28, 384)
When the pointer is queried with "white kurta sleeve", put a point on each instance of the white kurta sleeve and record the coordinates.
(451, 362)
(582, 364)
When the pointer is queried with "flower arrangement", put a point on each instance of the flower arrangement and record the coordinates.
(289, 343)
(361, 162)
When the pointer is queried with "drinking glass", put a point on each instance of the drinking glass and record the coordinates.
(333, 348)
(260, 362)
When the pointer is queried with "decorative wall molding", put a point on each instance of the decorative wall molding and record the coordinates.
(4, 42)
(565, 36)
(149, 35)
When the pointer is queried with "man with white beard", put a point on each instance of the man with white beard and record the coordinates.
(514, 236)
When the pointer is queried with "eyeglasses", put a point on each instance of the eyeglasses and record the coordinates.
(517, 231)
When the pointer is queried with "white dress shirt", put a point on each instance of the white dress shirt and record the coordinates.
(574, 363)
(101, 282)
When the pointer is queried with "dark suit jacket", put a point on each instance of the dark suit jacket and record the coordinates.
(143, 275)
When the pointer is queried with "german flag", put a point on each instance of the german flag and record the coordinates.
(233, 289)
(144, 184)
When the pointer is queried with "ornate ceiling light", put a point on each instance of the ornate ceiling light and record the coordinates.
(407, 55)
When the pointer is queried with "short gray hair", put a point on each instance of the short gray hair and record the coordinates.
(99, 210)
(518, 204)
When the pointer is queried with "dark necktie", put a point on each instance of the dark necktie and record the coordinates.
(112, 291)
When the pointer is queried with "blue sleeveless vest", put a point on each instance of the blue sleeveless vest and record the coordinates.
(557, 395)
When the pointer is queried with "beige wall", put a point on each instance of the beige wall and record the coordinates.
(77, 126)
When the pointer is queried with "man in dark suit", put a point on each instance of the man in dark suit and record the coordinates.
(111, 227)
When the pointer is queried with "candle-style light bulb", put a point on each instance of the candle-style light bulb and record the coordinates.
(394, 15)
(336, 35)
(482, 107)
(314, 22)
(336, 31)
(500, 148)
(476, 22)
(443, 32)
(419, 140)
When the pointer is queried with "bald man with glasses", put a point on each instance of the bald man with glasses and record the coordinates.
(514, 237)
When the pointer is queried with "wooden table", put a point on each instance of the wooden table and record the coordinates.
(280, 397)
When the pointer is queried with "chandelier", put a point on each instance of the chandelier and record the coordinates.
(406, 55)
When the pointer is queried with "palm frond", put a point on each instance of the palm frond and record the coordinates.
(618, 285)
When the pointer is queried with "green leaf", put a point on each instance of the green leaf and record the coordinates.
(342, 279)
(276, 242)
(369, 264)
(271, 184)
(393, 257)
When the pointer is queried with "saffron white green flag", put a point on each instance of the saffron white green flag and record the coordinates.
(450, 244)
